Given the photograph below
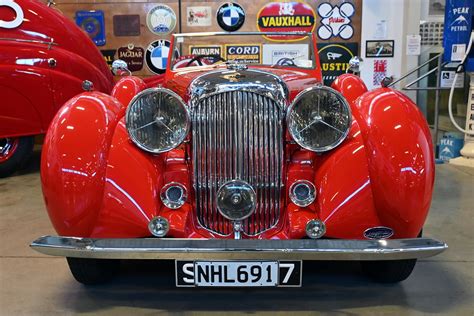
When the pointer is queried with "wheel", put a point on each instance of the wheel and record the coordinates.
(14, 153)
(390, 271)
(93, 271)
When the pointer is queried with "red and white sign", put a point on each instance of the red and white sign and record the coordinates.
(286, 17)
(380, 71)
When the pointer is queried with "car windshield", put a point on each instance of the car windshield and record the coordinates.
(252, 48)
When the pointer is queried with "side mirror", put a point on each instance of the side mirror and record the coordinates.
(120, 68)
(354, 65)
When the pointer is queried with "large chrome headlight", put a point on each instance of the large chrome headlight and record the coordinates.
(157, 120)
(319, 118)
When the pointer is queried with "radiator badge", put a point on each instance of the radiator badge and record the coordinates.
(379, 232)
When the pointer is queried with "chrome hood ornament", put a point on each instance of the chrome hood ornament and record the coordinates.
(234, 65)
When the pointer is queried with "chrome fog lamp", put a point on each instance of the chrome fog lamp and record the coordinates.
(319, 119)
(315, 229)
(159, 226)
(157, 120)
(236, 200)
(302, 193)
(173, 195)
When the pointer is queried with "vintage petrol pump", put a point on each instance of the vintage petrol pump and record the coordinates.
(458, 41)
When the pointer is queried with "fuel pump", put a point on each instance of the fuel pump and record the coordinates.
(458, 42)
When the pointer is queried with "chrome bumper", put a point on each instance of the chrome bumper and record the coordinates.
(193, 249)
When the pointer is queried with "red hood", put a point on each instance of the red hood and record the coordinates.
(296, 80)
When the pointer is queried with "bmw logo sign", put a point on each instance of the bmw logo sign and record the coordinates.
(156, 56)
(230, 16)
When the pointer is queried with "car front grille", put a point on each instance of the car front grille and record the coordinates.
(238, 135)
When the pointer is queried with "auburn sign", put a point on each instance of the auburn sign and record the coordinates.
(286, 17)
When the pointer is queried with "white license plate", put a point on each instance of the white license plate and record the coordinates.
(238, 273)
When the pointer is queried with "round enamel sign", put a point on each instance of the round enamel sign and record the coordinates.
(161, 20)
(230, 16)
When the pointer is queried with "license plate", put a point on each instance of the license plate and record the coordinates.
(238, 273)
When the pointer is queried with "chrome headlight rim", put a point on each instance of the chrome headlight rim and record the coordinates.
(180, 102)
(169, 202)
(298, 98)
(312, 193)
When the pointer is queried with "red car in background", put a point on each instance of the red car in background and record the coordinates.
(45, 60)
(239, 170)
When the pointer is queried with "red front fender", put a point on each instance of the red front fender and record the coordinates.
(74, 161)
(401, 162)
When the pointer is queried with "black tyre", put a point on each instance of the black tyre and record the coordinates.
(93, 271)
(390, 271)
(14, 153)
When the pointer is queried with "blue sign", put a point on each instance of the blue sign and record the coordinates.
(92, 22)
(457, 29)
(450, 147)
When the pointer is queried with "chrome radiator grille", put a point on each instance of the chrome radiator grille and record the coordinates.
(238, 135)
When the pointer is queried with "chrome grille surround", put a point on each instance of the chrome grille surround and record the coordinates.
(237, 124)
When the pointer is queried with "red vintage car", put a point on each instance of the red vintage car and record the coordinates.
(239, 170)
(44, 61)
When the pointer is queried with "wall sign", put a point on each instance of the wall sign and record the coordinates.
(93, 23)
(413, 45)
(447, 79)
(336, 21)
(457, 30)
(380, 71)
(109, 55)
(133, 56)
(334, 59)
(244, 53)
(15, 21)
(230, 16)
(272, 53)
(286, 17)
(161, 20)
(126, 25)
(156, 56)
(199, 16)
(205, 50)
(377, 49)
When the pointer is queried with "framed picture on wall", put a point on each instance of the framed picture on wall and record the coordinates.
(379, 49)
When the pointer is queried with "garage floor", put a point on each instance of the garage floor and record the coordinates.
(33, 284)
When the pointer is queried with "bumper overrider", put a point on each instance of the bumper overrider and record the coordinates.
(199, 249)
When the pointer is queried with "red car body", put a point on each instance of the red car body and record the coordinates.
(44, 59)
(99, 186)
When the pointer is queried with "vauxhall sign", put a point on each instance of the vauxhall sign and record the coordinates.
(286, 17)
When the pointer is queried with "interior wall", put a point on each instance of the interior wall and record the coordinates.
(401, 18)
(140, 7)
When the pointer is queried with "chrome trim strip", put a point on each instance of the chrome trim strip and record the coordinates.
(20, 40)
(230, 249)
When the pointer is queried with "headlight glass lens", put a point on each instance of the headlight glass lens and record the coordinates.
(157, 120)
(319, 119)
